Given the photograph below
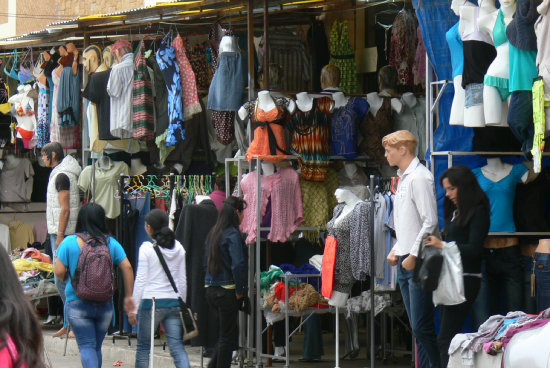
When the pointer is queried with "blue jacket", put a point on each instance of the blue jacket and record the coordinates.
(234, 269)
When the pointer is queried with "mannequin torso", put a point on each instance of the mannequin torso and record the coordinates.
(11, 162)
(348, 199)
(266, 103)
(304, 101)
(350, 169)
(376, 99)
(229, 44)
(267, 168)
(340, 100)
(496, 170)
(137, 167)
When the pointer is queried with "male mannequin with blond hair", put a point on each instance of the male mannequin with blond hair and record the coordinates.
(415, 215)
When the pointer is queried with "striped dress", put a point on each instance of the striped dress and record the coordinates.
(311, 138)
(143, 122)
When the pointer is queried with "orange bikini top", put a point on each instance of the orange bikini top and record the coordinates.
(261, 115)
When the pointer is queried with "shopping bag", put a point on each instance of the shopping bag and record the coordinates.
(450, 290)
(190, 329)
(329, 261)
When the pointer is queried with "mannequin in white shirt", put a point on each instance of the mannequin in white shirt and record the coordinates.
(496, 110)
(229, 44)
(340, 100)
(105, 163)
(266, 103)
(496, 170)
(137, 167)
(474, 116)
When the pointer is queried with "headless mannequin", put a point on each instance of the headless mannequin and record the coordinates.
(496, 110)
(229, 44)
(340, 100)
(457, 108)
(409, 98)
(105, 163)
(474, 116)
(137, 167)
(375, 100)
(304, 101)
(266, 103)
(267, 168)
(350, 169)
(350, 200)
(200, 198)
(11, 162)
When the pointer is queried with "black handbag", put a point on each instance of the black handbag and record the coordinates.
(428, 268)
(190, 329)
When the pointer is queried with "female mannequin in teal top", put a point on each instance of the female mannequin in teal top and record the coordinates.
(496, 91)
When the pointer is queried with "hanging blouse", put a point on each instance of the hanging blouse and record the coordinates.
(373, 129)
(54, 124)
(142, 99)
(403, 47)
(43, 125)
(343, 128)
(419, 68)
(166, 58)
(311, 138)
(200, 66)
(191, 104)
(286, 204)
(342, 55)
(269, 142)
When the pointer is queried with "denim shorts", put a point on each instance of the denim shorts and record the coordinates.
(227, 87)
(474, 94)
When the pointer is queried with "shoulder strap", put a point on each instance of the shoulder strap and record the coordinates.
(165, 267)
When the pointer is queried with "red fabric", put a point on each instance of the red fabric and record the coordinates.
(8, 354)
(160, 203)
(329, 261)
(280, 290)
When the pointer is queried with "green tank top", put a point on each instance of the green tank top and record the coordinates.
(499, 31)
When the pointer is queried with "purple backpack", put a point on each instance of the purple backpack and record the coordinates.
(94, 277)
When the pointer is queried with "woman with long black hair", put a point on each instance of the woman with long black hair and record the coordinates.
(226, 276)
(152, 282)
(21, 341)
(467, 219)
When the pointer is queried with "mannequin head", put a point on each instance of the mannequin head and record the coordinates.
(330, 76)
(387, 78)
(92, 58)
(400, 147)
(121, 48)
(345, 196)
(108, 56)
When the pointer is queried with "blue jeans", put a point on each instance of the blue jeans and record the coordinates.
(89, 322)
(473, 95)
(420, 310)
(60, 284)
(171, 319)
(520, 119)
(542, 277)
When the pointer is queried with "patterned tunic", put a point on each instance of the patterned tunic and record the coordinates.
(143, 112)
(373, 129)
(43, 125)
(343, 129)
(342, 55)
(403, 47)
(191, 104)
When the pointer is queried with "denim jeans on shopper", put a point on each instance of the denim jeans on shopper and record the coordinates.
(420, 310)
(89, 321)
(60, 284)
(170, 317)
(542, 277)
(504, 279)
(480, 309)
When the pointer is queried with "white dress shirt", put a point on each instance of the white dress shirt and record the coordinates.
(120, 88)
(415, 209)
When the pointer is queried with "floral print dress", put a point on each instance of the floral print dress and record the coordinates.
(43, 125)
(191, 104)
(166, 59)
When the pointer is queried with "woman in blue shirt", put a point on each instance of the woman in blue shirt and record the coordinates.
(90, 320)
(225, 278)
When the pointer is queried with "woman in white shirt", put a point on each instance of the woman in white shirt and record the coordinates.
(152, 282)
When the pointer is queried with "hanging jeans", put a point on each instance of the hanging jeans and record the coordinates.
(542, 277)
(520, 119)
(420, 310)
(504, 279)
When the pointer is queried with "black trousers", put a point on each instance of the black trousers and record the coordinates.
(224, 303)
(453, 316)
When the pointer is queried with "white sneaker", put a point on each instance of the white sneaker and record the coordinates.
(279, 353)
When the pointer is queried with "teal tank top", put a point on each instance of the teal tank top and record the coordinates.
(499, 32)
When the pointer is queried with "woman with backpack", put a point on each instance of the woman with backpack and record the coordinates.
(21, 343)
(152, 282)
(226, 276)
(87, 260)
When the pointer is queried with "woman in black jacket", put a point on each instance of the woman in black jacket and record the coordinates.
(467, 219)
(226, 276)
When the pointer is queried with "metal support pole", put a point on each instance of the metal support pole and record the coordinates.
(337, 338)
(258, 244)
(371, 239)
(266, 45)
(251, 48)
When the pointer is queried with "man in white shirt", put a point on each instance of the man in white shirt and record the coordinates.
(415, 215)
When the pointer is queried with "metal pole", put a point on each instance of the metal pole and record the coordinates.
(371, 239)
(266, 45)
(251, 48)
(258, 296)
(337, 339)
